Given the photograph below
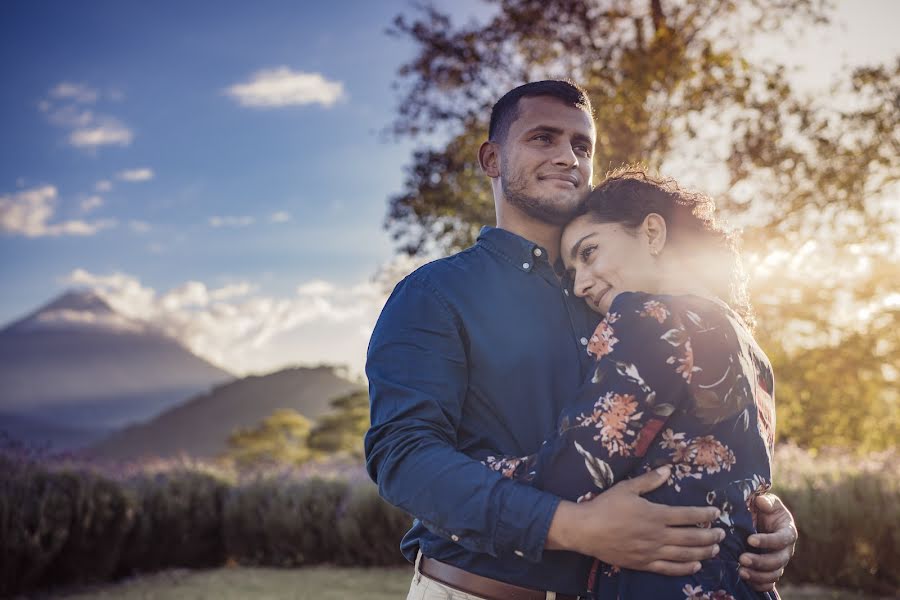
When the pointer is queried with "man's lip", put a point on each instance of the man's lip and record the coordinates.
(562, 177)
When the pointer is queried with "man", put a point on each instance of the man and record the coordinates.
(477, 354)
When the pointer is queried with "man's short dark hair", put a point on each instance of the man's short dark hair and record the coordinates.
(506, 110)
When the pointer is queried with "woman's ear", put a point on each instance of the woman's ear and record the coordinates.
(489, 159)
(654, 228)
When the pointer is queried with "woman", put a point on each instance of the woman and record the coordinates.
(678, 381)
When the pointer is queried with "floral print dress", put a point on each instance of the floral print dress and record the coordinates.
(678, 381)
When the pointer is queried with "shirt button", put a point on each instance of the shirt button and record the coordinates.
(537, 252)
(525, 265)
(584, 341)
(519, 553)
(454, 537)
(566, 291)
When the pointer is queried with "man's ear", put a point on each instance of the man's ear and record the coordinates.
(489, 159)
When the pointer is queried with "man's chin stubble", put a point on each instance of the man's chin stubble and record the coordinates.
(539, 209)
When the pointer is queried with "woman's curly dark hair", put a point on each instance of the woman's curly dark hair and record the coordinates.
(712, 252)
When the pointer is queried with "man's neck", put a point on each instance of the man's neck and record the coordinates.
(543, 234)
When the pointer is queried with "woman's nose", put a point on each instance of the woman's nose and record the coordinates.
(582, 286)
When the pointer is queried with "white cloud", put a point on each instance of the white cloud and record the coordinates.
(105, 132)
(233, 290)
(316, 287)
(82, 319)
(69, 116)
(245, 331)
(27, 213)
(281, 86)
(91, 203)
(142, 174)
(280, 217)
(104, 185)
(77, 92)
(139, 226)
(87, 129)
(231, 221)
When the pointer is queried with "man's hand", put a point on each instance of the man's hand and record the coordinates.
(779, 534)
(623, 529)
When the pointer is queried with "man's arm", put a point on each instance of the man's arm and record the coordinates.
(779, 534)
(418, 377)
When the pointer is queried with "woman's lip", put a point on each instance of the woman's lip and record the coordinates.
(600, 297)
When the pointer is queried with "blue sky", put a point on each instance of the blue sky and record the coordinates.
(217, 167)
(159, 69)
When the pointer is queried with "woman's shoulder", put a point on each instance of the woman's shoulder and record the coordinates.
(685, 322)
(687, 310)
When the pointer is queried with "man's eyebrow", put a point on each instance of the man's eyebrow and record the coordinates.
(547, 128)
(578, 137)
(574, 251)
(583, 138)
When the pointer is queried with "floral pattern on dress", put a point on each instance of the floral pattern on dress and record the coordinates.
(695, 592)
(510, 467)
(655, 309)
(603, 340)
(686, 367)
(695, 457)
(613, 415)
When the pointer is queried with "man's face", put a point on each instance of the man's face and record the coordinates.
(546, 166)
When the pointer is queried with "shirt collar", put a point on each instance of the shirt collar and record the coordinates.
(520, 252)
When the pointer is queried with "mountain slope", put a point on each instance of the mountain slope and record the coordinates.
(200, 427)
(77, 364)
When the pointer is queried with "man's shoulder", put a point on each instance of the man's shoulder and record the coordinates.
(447, 271)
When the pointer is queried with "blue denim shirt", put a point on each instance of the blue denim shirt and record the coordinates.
(477, 354)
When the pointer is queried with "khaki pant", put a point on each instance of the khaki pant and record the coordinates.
(423, 588)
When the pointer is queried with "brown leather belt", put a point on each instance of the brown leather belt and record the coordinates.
(477, 585)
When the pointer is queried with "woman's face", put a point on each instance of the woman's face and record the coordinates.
(606, 259)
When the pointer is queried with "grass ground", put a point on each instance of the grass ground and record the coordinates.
(311, 583)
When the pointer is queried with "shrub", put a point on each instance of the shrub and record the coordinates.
(278, 521)
(60, 523)
(179, 521)
(848, 515)
(370, 529)
(35, 516)
(102, 516)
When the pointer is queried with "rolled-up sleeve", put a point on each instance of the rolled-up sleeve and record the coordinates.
(418, 374)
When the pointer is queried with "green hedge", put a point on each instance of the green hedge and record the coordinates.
(64, 524)
(847, 511)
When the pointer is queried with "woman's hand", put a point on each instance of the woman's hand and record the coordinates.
(778, 536)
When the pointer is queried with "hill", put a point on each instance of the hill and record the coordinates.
(199, 428)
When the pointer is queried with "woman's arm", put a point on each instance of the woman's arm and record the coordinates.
(644, 361)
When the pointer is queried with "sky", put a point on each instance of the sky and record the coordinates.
(218, 167)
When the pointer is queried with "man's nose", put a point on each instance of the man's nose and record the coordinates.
(565, 156)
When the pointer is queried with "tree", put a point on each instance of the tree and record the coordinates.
(342, 430)
(670, 80)
(280, 439)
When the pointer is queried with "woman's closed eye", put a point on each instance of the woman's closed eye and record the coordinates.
(585, 253)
